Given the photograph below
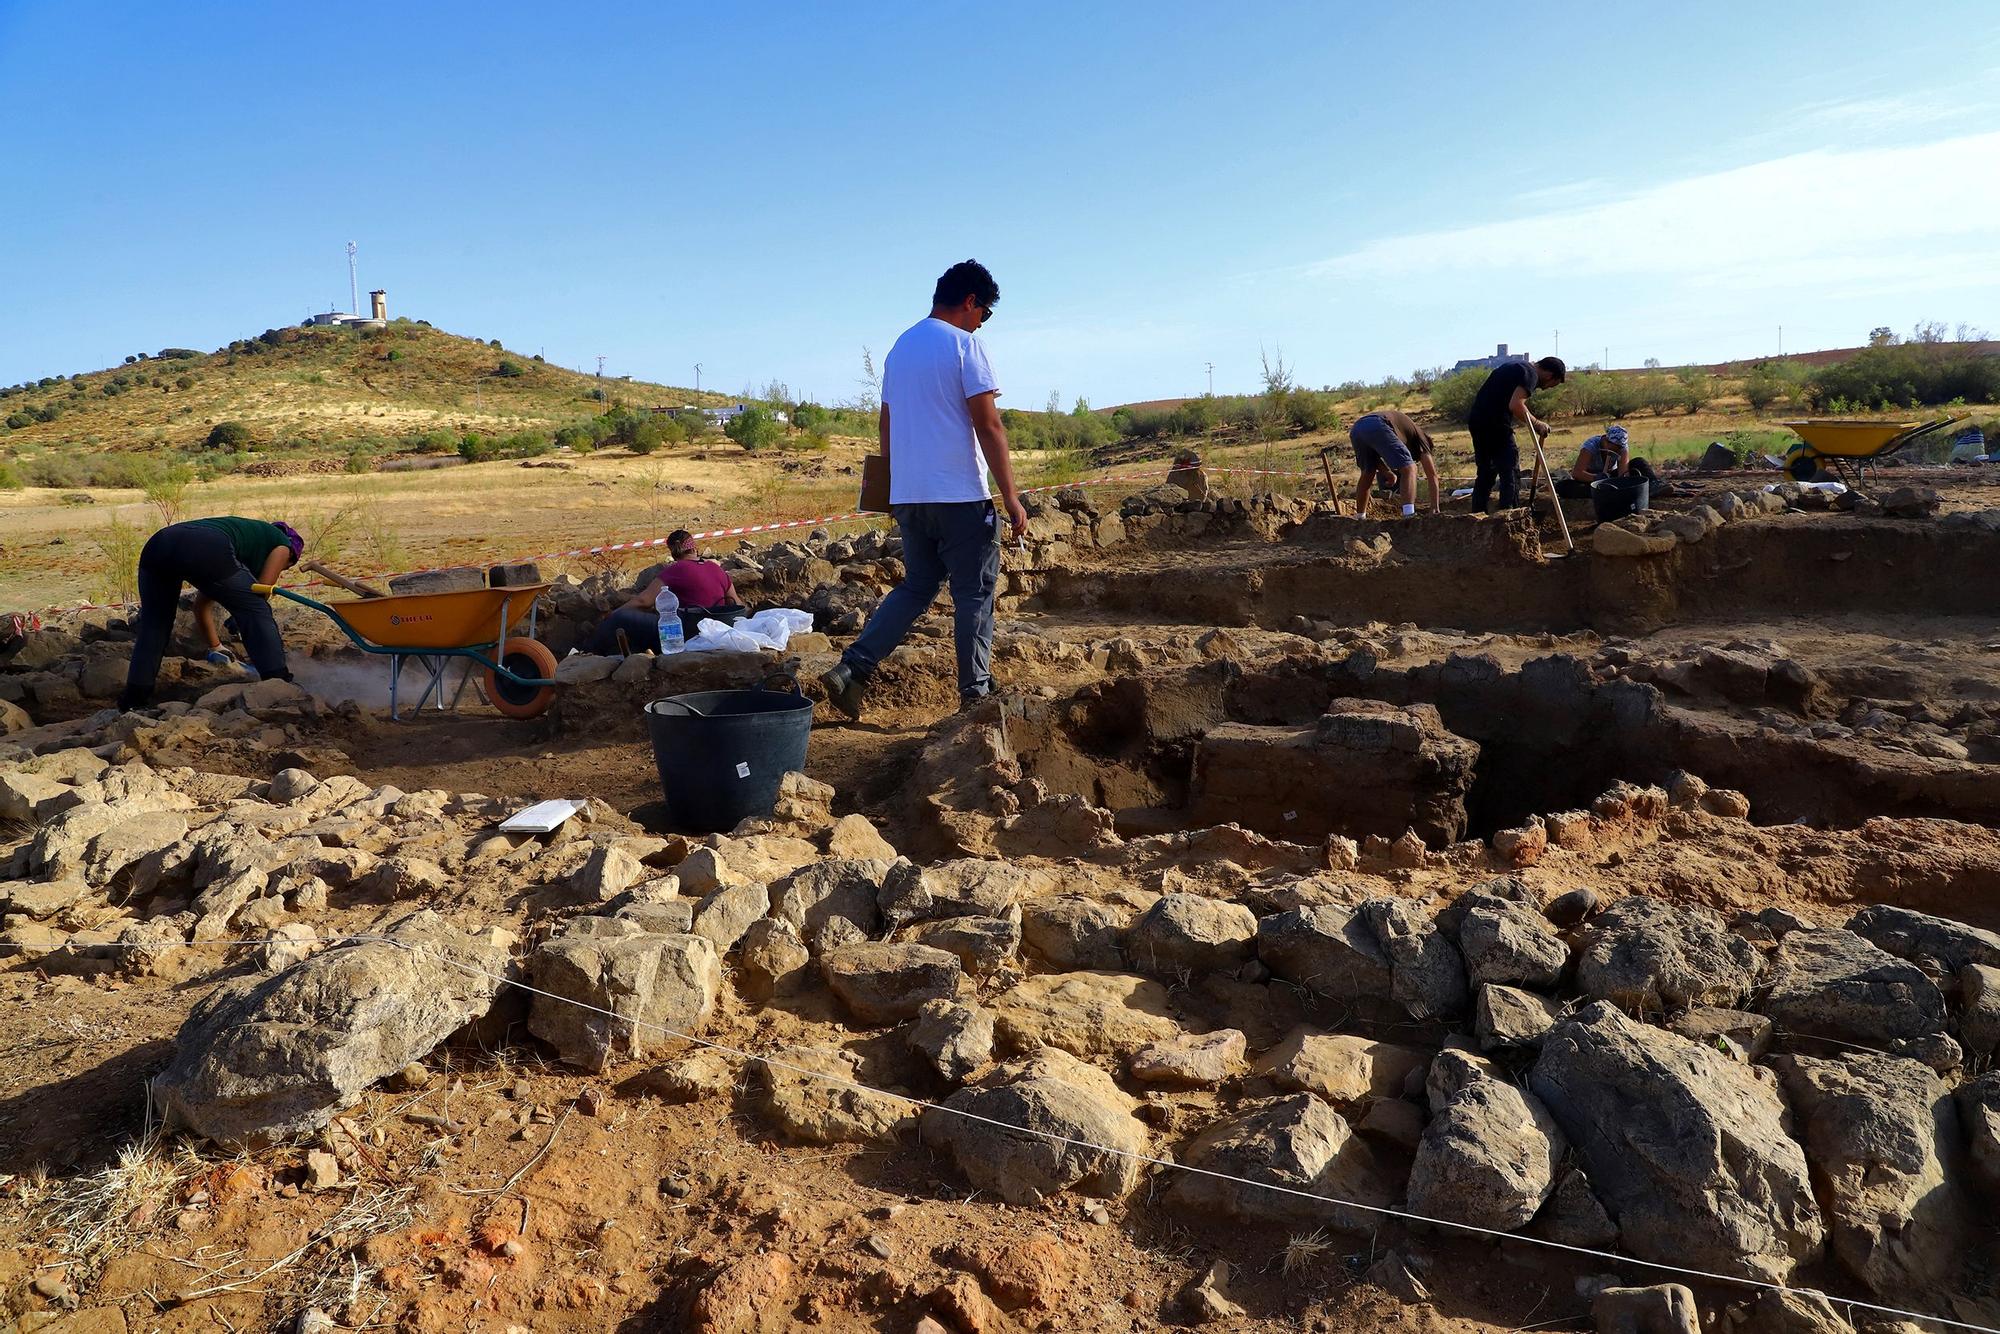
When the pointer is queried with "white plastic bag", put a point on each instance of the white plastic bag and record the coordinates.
(777, 625)
(715, 636)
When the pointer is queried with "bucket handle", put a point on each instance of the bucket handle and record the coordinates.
(781, 682)
(679, 704)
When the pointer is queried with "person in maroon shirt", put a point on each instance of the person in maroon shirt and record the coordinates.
(701, 585)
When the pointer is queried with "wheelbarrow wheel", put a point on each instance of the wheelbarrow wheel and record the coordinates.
(1801, 466)
(523, 657)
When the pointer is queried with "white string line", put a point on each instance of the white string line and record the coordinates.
(1053, 1136)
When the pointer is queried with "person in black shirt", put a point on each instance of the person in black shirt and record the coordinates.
(1501, 402)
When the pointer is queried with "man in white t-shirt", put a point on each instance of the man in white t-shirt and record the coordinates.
(940, 417)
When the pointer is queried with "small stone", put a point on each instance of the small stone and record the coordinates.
(1568, 910)
(410, 1078)
(592, 1100)
(322, 1169)
(1207, 1298)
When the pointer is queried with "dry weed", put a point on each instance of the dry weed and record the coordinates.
(1303, 1250)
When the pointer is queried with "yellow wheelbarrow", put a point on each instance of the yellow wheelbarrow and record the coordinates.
(433, 629)
(1836, 444)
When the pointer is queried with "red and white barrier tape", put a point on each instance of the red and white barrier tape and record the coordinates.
(648, 543)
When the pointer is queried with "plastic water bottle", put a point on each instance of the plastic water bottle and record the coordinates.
(672, 638)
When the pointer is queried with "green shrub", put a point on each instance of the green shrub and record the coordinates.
(1197, 416)
(229, 435)
(178, 354)
(10, 478)
(1761, 389)
(474, 447)
(1908, 375)
(17, 420)
(509, 369)
(526, 444)
(1309, 409)
(647, 436)
(576, 438)
(1452, 395)
(754, 428)
(1697, 389)
(360, 461)
(393, 354)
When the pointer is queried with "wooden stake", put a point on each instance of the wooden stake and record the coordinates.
(1332, 491)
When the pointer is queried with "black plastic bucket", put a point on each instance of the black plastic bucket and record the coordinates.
(722, 753)
(1616, 497)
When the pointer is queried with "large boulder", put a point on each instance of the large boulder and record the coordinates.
(815, 1097)
(612, 989)
(1085, 1014)
(1508, 943)
(1488, 1158)
(1328, 949)
(1651, 957)
(1395, 767)
(968, 887)
(1071, 931)
(1283, 1161)
(1186, 934)
(950, 1039)
(1042, 1124)
(1426, 974)
(885, 983)
(1834, 984)
(1686, 1148)
(1885, 1144)
(257, 1061)
(831, 902)
(1979, 1111)
(983, 944)
(1920, 937)
(1343, 1069)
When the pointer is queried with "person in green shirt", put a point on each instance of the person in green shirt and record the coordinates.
(222, 558)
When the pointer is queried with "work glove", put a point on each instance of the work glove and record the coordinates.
(221, 657)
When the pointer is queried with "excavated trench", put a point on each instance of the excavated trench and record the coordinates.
(1477, 574)
(1309, 747)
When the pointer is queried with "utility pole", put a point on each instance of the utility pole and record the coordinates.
(353, 286)
(600, 367)
(1559, 343)
(1781, 340)
(1211, 378)
(697, 377)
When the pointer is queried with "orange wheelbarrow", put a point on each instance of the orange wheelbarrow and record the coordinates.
(433, 629)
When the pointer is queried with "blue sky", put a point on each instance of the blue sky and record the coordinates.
(767, 188)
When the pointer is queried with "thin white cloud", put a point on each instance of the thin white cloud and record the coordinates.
(1857, 218)
(1895, 111)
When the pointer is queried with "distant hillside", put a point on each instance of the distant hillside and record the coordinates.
(316, 388)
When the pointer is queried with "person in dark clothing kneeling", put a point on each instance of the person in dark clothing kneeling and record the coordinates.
(1603, 456)
(222, 558)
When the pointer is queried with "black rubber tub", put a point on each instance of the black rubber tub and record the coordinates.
(722, 753)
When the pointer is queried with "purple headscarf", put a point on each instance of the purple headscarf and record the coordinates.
(292, 539)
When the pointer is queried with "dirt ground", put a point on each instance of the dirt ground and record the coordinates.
(503, 1191)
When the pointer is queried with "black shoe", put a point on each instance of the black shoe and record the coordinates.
(844, 690)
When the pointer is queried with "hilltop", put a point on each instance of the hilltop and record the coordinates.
(316, 389)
